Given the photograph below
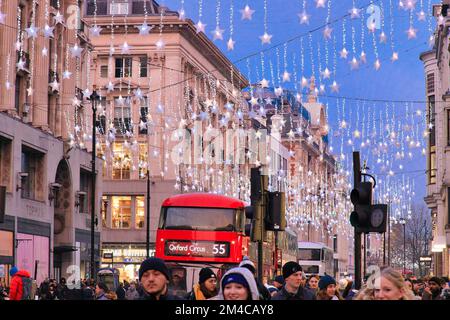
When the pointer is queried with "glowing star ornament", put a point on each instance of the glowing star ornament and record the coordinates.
(355, 13)
(30, 91)
(394, 56)
(421, 16)
(217, 33)
(304, 17)
(59, 18)
(279, 91)
(95, 31)
(344, 53)
(32, 32)
(111, 50)
(67, 74)
(377, 65)
(45, 52)
(411, 32)
(354, 64)
(304, 82)
(327, 32)
(20, 65)
(2, 18)
(264, 83)
(75, 51)
(125, 48)
(266, 38)
(247, 13)
(54, 85)
(160, 45)
(87, 93)
(286, 76)
(76, 102)
(200, 27)
(372, 27)
(383, 37)
(334, 87)
(48, 31)
(230, 44)
(363, 57)
(410, 4)
(326, 74)
(320, 3)
(181, 14)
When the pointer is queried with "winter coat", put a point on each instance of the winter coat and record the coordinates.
(132, 294)
(164, 297)
(102, 297)
(198, 293)
(120, 293)
(250, 280)
(16, 286)
(302, 294)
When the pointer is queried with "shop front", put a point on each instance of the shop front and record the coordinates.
(127, 258)
(6, 248)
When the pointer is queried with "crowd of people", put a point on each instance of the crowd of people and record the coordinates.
(238, 283)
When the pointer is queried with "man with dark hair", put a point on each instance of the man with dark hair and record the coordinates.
(433, 290)
(155, 278)
(292, 289)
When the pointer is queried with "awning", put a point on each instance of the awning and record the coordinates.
(63, 249)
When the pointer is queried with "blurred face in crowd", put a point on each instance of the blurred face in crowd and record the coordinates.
(331, 290)
(294, 281)
(418, 286)
(409, 284)
(154, 282)
(235, 291)
(177, 276)
(434, 287)
(313, 283)
(388, 291)
(210, 284)
(98, 291)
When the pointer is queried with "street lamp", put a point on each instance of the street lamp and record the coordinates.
(94, 98)
(403, 222)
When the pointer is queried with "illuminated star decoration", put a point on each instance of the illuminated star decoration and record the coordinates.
(2, 18)
(372, 27)
(48, 31)
(394, 56)
(21, 65)
(264, 83)
(200, 27)
(144, 29)
(87, 93)
(421, 16)
(95, 31)
(266, 38)
(354, 13)
(230, 44)
(45, 52)
(217, 33)
(410, 4)
(76, 102)
(320, 3)
(247, 13)
(327, 32)
(54, 85)
(110, 87)
(67, 74)
(32, 32)
(125, 48)
(354, 64)
(111, 50)
(286, 76)
(304, 17)
(8, 85)
(344, 53)
(362, 57)
(412, 33)
(59, 18)
(76, 51)
(160, 44)
(377, 64)
(383, 37)
(181, 14)
(326, 73)
(334, 87)
(30, 91)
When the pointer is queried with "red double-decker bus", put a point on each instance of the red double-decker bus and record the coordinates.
(198, 230)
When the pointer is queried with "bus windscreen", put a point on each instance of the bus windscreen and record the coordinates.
(207, 219)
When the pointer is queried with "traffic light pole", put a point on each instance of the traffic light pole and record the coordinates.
(356, 182)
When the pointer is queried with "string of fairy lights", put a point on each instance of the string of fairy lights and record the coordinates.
(282, 76)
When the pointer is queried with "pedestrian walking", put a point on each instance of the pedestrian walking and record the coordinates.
(292, 289)
(433, 290)
(264, 294)
(132, 293)
(206, 288)
(238, 284)
(155, 277)
(101, 290)
(392, 286)
(21, 285)
(313, 284)
(120, 292)
(61, 289)
(327, 289)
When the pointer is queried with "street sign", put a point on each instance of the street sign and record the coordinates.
(425, 259)
(107, 255)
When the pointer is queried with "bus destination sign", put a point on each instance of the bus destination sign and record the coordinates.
(204, 249)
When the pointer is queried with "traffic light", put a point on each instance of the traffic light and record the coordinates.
(258, 184)
(275, 217)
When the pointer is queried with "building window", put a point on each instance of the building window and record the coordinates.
(121, 212)
(121, 162)
(433, 169)
(140, 212)
(83, 196)
(104, 71)
(141, 7)
(124, 67)
(5, 162)
(431, 119)
(100, 5)
(104, 210)
(430, 83)
(143, 67)
(119, 7)
(143, 158)
(32, 174)
(122, 115)
(143, 112)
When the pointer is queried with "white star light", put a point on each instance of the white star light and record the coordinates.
(2, 18)
(217, 33)
(304, 17)
(8, 85)
(304, 82)
(266, 38)
(327, 32)
(394, 56)
(410, 4)
(278, 91)
(230, 44)
(421, 16)
(144, 29)
(76, 51)
(87, 93)
(362, 57)
(320, 3)
(30, 91)
(412, 33)
(334, 87)
(21, 65)
(200, 27)
(286, 76)
(67, 74)
(372, 27)
(48, 31)
(344, 53)
(247, 13)
(54, 85)
(59, 18)
(377, 64)
(181, 14)
(125, 48)
(110, 87)
(264, 83)
(138, 93)
(18, 45)
(326, 73)
(95, 31)
(383, 37)
(253, 101)
(354, 13)
(45, 52)
(354, 64)
(76, 102)
(32, 32)
(160, 44)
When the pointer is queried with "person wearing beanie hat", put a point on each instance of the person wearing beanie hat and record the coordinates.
(155, 277)
(238, 284)
(433, 290)
(13, 271)
(292, 289)
(206, 288)
(264, 294)
(327, 289)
